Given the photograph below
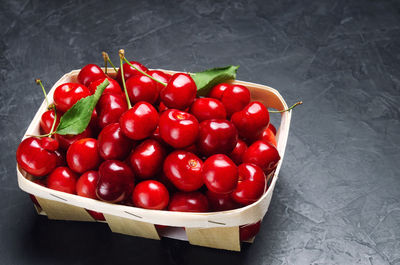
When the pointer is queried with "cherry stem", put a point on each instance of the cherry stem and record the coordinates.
(54, 122)
(146, 74)
(280, 111)
(39, 82)
(42, 135)
(106, 57)
(121, 57)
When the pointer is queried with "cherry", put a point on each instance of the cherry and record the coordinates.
(86, 184)
(235, 98)
(129, 71)
(251, 185)
(83, 155)
(272, 128)
(140, 121)
(216, 136)
(66, 140)
(252, 119)
(188, 202)
(49, 144)
(220, 174)
(147, 159)
(66, 95)
(183, 169)
(34, 159)
(262, 154)
(267, 135)
(248, 231)
(110, 108)
(177, 128)
(161, 76)
(61, 161)
(116, 181)
(62, 179)
(237, 153)
(179, 92)
(113, 86)
(90, 73)
(113, 144)
(221, 202)
(217, 91)
(150, 194)
(142, 88)
(207, 109)
(86, 187)
(47, 119)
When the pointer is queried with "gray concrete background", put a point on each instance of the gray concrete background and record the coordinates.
(337, 200)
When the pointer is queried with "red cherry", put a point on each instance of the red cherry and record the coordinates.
(62, 179)
(237, 153)
(247, 232)
(221, 202)
(86, 187)
(207, 109)
(96, 215)
(188, 202)
(66, 140)
(217, 91)
(129, 71)
(66, 95)
(178, 129)
(272, 128)
(150, 194)
(251, 185)
(140, 121)
(110, 108)
(86, 184)
(90, 73)
(49, 144)
(116, 181)
(160, 76)
(250, 120)
(267, 135)
(183, 169)
(142, 88)
(147, 159)
(216, 136)
(47, 119)
(262, 154)
(220, 174)
(61, 161)
(34, 159)
(113, 144)
(83, 155)
(235, 98)
(113, 86)
(179, 92)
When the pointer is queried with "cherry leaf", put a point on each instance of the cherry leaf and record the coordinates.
(209, 78)
(77, 118)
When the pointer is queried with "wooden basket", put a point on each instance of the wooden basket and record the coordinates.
(215, 229)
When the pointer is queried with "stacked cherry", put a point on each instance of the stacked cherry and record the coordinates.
(170, 151)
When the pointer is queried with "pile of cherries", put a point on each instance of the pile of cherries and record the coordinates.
(170, 151)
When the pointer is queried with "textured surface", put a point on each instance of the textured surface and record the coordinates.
(337, 200)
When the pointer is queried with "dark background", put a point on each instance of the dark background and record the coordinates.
(338, 196)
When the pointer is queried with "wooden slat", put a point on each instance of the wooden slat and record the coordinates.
(131, 227)
(216, 237)
(62, 211)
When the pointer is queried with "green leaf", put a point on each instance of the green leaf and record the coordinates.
(209, 78)
(77, 118)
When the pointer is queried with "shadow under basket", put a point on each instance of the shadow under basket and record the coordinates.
(212, 229)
